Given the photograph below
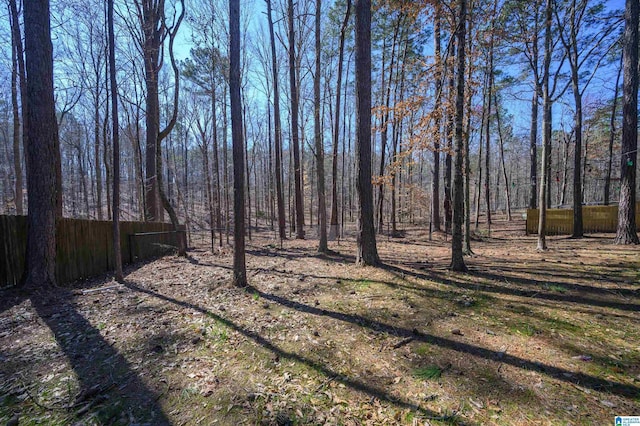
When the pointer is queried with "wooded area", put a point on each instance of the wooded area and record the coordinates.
(321, 149)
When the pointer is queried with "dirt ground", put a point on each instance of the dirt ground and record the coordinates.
(524, 338)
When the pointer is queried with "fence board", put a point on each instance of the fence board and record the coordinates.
(594, 219)
(84, 248)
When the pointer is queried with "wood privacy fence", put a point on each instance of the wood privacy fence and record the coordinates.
(84, 247)
(594, 219)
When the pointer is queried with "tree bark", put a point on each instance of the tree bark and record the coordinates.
(546, 132)
(239, 263)
(457, 256)
(435, 176)
(626, 232)
(297, 172)
(367, 253)
(41, 145)
(322, 208)
(17, 161)
(117, 252)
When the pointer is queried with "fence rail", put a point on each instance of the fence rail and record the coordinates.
(594, 219)
(84, 248)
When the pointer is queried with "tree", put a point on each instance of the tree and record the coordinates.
(322, 208)
(457, 256)
(367, 253)
(42, 140)
(626, 232)
(581, 49)
(546, 131)
(277, 129)
(333, 231)
(295, 140)
(115, 131)
(17, 74)
(239, 264)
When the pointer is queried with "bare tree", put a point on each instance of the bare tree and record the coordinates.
(277, 129)
(322, 208)
(115, 133)
(333, 231)
(297, 172)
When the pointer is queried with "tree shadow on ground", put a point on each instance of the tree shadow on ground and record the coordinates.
(107, 381)
(562, 374)
(354, 384)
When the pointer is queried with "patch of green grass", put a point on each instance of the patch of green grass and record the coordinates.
(559, 324)
(430, 372)
(522, 328)
(555, 287)
(363, 284)
(423, 350)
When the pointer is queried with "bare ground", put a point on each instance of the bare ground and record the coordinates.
(524, 338)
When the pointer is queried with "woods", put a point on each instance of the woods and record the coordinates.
(177, 157)
(319, 212)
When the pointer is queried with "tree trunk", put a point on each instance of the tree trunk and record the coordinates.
(504, 167)
(626, 232)
(297, 172)
(546, 132)
(533, 152)
(385, 125)
(612, 137)
(435, 176)
(367, 253)
(278, 129)
(457, 256)
(322, 208)
(117, 252)
(42, 139)
(448, 161)
(16, 38)
(239, 264)
(17, 162)
(333, 227)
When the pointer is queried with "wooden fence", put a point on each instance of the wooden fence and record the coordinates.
(594, 219)
(84, 247)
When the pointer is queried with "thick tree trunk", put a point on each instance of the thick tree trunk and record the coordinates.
(367, 253)
(239, 264)
(42, 140)
(626, 232)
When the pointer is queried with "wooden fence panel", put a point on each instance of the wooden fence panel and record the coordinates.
(594, 219)
(84, 248)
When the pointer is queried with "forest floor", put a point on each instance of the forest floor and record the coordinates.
(523, 338)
